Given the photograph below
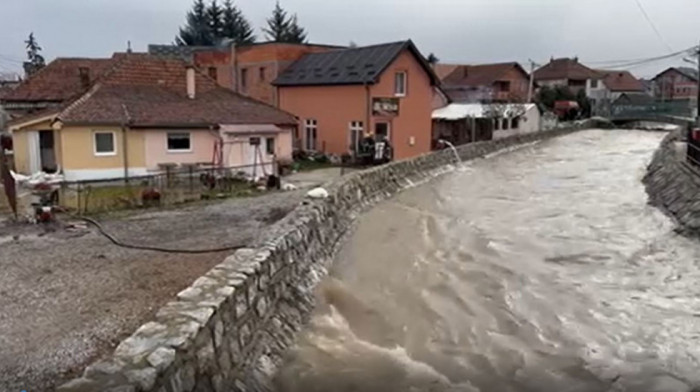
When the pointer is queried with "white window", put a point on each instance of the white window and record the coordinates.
(104, 143)
(311, 133)
(356, 133)
(179, 142)
(400, 84)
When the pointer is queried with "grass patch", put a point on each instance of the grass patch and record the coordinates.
(309, 165)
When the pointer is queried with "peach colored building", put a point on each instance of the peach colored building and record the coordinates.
(245, 69)
(340, 96)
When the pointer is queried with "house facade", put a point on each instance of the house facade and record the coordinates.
(569, 72)
(246, 69)
(147, 113)
(460, 123)
(676, 84)
(384, 91)
(484, 83)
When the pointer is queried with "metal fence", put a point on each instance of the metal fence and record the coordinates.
(170, 186)
(655, 109)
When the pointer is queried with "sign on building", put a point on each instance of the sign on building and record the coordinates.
(385, 106)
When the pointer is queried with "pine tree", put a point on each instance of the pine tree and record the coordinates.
(235, 25)
(295, 33)
(197, 30)
(277, 25)
(35, 60)
(215, 16)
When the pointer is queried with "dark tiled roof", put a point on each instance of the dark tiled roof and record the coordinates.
(691, 73)
(688, 72)
(183, 52)
(59, 80)
(348, 66)
(151, 91)
(565, 69)
(621, 81)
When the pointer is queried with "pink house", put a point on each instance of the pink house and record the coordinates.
(340, 96)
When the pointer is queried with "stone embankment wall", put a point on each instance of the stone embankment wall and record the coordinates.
(673, 184)
(230, 329)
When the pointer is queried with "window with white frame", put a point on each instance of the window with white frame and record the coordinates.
(179, 142)
(104, 143)
(356, 133)
(400, 84)
(311, 134)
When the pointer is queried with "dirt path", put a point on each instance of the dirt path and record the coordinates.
(68, 297)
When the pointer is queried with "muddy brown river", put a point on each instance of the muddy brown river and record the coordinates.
(539, 269)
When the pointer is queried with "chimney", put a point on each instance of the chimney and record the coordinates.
(84, 73)
(191, 88)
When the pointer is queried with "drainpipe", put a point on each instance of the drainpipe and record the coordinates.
(368, 107)
(125, 143)
(234, 54)
(126, 153)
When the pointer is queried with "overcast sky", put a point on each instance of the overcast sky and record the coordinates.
(463, 31)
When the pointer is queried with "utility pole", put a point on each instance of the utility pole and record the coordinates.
(532, 81)
(697, 104)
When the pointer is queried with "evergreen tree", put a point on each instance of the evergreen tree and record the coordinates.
(432, 59)
(295, 33)
(277, 25)
(35, 60)
(197, 30)
(235, 26)
(215, 19)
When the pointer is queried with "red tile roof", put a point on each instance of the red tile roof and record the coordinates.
(59, 80)
(621, 81)
(150, 91)
(565, 69)
(478, 75)
(444, 70)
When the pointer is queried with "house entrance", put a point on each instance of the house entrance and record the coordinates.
(382, 131)
(47, 152)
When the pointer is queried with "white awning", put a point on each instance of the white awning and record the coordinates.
(250, 129)
(458, 111)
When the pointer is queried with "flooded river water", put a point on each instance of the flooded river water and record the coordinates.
(539, 269)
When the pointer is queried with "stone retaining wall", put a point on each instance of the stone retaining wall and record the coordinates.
(231, 328)
(673, 184)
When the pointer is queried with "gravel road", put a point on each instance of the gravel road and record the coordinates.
(68, 296)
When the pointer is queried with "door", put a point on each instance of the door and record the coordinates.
(33, 152)
(47, 152)
(382, 130)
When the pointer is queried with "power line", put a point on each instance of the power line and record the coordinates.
(653, 26)
(642, 61)
(10, 59)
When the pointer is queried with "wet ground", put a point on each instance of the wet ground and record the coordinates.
(540, 269)
(68, 296)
